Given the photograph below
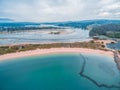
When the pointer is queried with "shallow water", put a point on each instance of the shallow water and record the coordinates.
(43, 36)
(60, 72)
(114, 45)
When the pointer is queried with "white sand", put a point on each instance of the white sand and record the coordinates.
(53, 51)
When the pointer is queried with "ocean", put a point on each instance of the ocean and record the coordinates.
(60, 72)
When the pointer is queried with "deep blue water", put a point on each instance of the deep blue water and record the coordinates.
(60, 72)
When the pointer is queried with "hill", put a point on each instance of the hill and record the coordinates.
(85, 24)
(110, 30)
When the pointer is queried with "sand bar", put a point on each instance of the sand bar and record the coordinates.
(53, 51)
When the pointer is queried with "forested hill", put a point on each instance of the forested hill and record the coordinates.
(110, 30)
(85, 24)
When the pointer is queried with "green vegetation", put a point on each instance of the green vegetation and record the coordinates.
(109, 30)
(18, 48)
(113, 34)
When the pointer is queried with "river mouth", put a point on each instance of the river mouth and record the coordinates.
(61, 72)
(44, 36)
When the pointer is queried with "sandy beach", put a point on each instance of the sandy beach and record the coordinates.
(53, 51)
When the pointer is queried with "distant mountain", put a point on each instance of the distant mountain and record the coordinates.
(85, 24)
(8, 24)
(5, 20)
(18, 24)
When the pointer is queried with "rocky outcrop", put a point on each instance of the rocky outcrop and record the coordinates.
(92, 80)
(117, 59)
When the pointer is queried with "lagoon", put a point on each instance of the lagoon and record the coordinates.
(43, 36)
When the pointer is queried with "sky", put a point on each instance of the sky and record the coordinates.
(59, 10)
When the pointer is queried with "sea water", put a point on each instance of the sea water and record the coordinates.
(60, 72)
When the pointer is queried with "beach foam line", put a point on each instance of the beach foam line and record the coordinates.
(38, 52)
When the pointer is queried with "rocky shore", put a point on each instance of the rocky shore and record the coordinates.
(117, 59)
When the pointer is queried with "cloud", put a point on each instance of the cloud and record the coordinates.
(110, 9)
(59, 10)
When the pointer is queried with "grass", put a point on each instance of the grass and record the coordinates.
(25, 47)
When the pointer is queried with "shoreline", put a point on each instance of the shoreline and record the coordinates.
(39, 52)
(117, 59)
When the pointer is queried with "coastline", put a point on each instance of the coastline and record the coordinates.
(38, 52)
(117, 59)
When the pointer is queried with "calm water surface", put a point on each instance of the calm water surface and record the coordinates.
(114, 45)
(60, 72)
(43, 36)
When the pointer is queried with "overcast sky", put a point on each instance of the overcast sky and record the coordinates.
(59, 10)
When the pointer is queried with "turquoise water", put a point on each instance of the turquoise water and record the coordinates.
(60, 72)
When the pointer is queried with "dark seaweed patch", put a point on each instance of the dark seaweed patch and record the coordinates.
(92, 80)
